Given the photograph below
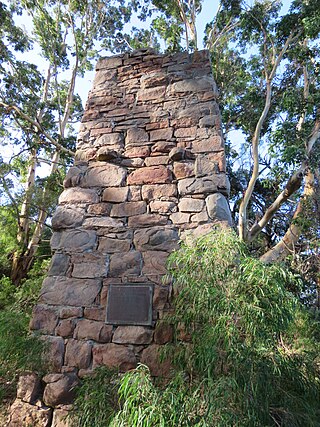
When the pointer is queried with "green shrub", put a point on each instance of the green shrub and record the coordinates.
(7, 292)
(19, 351)
(253, 357)
(26, 295)
(96, 399)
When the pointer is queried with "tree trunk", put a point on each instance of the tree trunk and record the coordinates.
(23, 261)
(287, 244)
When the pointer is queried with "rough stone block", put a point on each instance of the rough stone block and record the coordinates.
(59, 389)
(69, 291)
(99, 209)
(141, 152)
(95, 313)
(161, 134)
(163, 207)
(163, 147)
(183, 169)
(150, 94)
(113, 356)
(186, 132)
(54, 352)
(201, 84)
(218, 208)
(160, 296)
(73, 176)
(44, 318)
(205, 185)
(128, 209)
(177, 153)
(113, 245)
(147, 220)
(154, 262)
(22, 414)
(156, 160)
(163, 333)
(151, 357)
(136, 136)
(95, 269)
(104, 176)
(150, 175)
(116, 139)
(79, 195)
(92, 330)
(161, 191)
(103, 222)
(115, 195)
(78, 354)
(200, 217)
(29, 387)
(65, 328)
(180, 218)
(215, 143)
(65, 217)
(156, 238)
(74, 240)
(128, 263)
(67, 312)
(59, 265)
(210, 121)
(205, 165)
(60, 417)
(134, 194)
(153, 79)
(132, 335)
(188, 204)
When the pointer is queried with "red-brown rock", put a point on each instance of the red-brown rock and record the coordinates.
(113, 356)
(132, 335)
(146, 220)
(44, 318)
(154, 262)
(151, 357)
(183, 169)
(128, 263)
(54, 352)
(150, 175)
(79, 195)
(92, 330)
(78, 354)
(161, 134)
(161, 191)
(60, 389)
(128, 209)
(104, 176)
(117, 195)
(24, 414)
(65, 328)
(29, 387)
(163, 333)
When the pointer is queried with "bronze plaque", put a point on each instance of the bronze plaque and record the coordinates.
(130, 305)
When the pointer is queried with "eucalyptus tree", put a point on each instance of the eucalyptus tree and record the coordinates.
(39, 110)
(267, 67)
(174, 22)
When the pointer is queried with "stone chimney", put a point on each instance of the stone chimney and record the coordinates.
(149, 169)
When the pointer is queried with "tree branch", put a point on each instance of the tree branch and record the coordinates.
(37, 125)
(256, 139)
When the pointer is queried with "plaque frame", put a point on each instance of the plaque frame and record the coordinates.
(141, 309)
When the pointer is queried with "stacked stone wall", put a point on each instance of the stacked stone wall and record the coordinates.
(149, 169)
